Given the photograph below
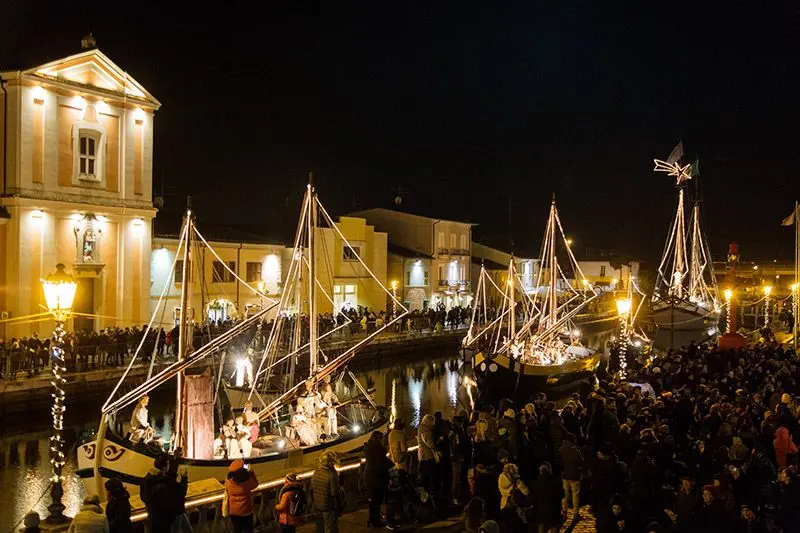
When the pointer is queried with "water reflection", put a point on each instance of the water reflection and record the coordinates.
(414, 390)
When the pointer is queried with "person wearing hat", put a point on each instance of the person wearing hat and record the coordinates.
(325, 484)
(90, 519)
(239, 487)
(288, 507)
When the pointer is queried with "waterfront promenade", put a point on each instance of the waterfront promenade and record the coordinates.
(26, 391)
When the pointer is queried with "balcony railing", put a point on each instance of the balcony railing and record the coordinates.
(453, 251)
(461, 285)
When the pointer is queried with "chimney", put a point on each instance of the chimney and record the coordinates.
(88, 42)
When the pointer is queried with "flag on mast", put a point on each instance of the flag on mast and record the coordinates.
(676, 154)
(790, 220)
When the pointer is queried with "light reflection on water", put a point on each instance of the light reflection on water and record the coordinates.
(419, 389)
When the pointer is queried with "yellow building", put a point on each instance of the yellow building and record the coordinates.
(220, 296)
(340, 273)
(77, 180)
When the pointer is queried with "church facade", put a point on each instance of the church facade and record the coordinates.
(76, 163)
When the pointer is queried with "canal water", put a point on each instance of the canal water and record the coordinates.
(419, 385)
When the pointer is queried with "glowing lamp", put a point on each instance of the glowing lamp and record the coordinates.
(728, 294)
(261, 285)
(755, 267)
(394, 285)
(623, 306)
(569, 242)
(59, 293)
(794, 287)
(768, 290)
(356, 428)
(138, 226)
(37, 215)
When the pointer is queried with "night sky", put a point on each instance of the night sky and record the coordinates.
(465, 108)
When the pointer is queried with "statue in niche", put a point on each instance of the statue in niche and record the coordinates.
(87, 236)
(89, 244)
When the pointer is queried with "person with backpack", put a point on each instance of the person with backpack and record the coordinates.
(292, 504)
(239, 489)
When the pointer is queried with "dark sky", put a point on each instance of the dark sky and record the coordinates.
(468, 107)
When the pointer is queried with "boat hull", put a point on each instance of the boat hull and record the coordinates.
(120, 459)
(680, 322)
(499, 376)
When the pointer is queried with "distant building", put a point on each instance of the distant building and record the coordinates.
(496, 264)
(341, 274)
(410, 273)
(77, 189)
(607, 275)
(447, 242)
(218, 295)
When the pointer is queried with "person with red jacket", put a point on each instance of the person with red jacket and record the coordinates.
(289, 516)
(239, 488)
(783, 447)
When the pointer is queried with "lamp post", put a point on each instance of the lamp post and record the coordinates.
(59, 293)
(728, 298)
(624, 311)
(394, 298)
(767, 292)
(795, 286)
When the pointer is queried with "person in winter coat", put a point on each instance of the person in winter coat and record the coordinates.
(163, 495)
(783, 447)
(511, 488)
(325, 484)
(572, 459)
(426, 452)
(546, 495)
(789, 517)
(712, 515)
(376, 476)
(239, 485)
(118, 508)
(748, 523)
(615, 518)
(507, 430)
(90, 519)
(398, 444)
(287, 521)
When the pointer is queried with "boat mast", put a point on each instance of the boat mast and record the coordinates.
(696, 267)
(183, 335)
(512, 329)
(679, 264)
(312, 301)
(553, 318)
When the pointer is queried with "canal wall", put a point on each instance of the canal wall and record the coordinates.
(33, 393)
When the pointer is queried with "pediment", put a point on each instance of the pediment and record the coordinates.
(93, 69)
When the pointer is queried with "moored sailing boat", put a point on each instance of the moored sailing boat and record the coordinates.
(289, 436)
(532, 342)
(684, 305)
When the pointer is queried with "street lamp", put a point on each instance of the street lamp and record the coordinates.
(624, 311)
(728, 297)
(59, 293)
(767, 292)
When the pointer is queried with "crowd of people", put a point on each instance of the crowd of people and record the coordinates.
(86, 350)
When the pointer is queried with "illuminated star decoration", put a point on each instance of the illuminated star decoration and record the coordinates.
(680, 172)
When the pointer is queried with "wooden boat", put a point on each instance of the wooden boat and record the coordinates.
(533, 342)
(684, 304)
(110, 454)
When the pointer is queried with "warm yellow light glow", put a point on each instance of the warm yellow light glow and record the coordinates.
(138, 226)
(38, 92)
(728, 294)
(261, 286)
(768, 290)
(102, 107)
(755, 267)
(569, 242)
(614, 281)
(794, 287)
(102, 218)
(623, 306)
(585, 281)
(138, 114)
(78, 102)
(59, 292)
(510, 283)
(394, 284)
(37, 217)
